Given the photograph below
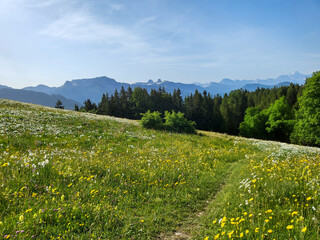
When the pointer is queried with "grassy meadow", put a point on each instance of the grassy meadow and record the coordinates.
(71, 175)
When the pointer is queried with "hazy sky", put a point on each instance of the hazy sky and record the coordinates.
(51, 41)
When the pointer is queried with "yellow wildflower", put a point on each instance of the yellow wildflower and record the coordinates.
(304, 229)
(289, 227)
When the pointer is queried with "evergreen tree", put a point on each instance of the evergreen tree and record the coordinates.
(59, 104)
(76, 108)
(103, 106)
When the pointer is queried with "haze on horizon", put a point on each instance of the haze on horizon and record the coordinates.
(51, 41)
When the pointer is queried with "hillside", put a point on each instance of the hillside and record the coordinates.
(73, 175)
(40, 98)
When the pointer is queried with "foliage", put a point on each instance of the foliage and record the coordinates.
(176, 122)
(254, 124)
(232, 109)
(280, 120)
(213, 113)
(152, 120)
(307, 128)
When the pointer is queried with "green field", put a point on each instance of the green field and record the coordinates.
(71, 175)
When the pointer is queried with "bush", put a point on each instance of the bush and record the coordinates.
(152, 120)
(176, 122)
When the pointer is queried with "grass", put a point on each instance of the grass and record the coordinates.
(73, 175)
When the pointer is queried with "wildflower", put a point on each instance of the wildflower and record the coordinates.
(309, 198)
(142, 220)
(1, 223)
(214, 221)
(247, 231)
(270, 231)
(254, 180)
(304, 229)
(29, 210)
(206, 238)
(241, 234)
(21, 218)
(216, 236)
(257, 229)
(289, 227)
(230, 234)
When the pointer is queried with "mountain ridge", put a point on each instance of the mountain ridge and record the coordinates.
(93, 88)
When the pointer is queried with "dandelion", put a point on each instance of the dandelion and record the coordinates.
(142, 220)
(256, 230)
(230, 234)
(289, 227)
(304, 229)
(29, 210)
(270, 231)
(309, 198)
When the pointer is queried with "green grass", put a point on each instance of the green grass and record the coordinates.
(73, 175)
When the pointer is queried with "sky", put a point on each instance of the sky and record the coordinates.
(52, 41)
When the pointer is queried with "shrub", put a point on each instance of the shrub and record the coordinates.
(152, 120)
(176, 122)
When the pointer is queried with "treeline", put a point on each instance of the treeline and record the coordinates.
(264, 113)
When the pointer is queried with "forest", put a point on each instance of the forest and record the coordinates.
(288, 113)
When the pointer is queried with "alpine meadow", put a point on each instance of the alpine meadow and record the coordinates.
(159, 120)
(74, 175)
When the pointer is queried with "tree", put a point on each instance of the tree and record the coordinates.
(254, 124)
(59, 104)
(307, 127)
(280, 120)
(232, 108)
(140, 98)
(103, 105)
(76, 108)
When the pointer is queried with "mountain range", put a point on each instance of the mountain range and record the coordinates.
(79, 90)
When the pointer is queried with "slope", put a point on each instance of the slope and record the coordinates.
(67, 174)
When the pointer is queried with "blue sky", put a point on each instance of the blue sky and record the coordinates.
(51, 41)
